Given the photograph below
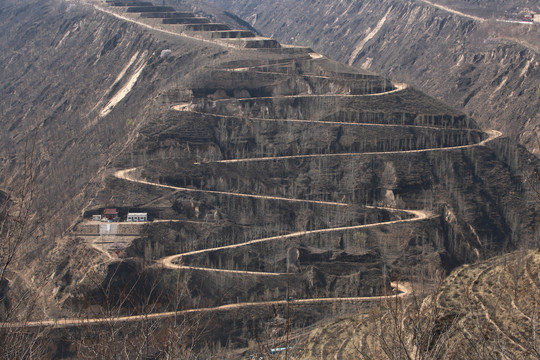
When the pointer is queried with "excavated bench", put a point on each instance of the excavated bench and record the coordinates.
(187, 20)
(143, 9)
(205, 27)
(228, 34)
(168, 15)
(253, 43)
(201, 27)
(129, 3)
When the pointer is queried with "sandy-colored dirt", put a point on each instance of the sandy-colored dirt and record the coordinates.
(401, 289)
(455, 12)
(170, 261)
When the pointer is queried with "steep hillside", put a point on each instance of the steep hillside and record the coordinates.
(72, 90)
(489, 69)
(282, 188)
(485, 311)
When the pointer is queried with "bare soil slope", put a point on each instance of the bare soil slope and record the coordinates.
(454, 50)
(488, 310)
(272, 174)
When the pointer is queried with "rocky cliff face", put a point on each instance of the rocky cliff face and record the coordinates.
(489, 69)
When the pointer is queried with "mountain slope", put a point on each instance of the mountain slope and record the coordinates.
(270, 174)
(487, 310)
(489, 69)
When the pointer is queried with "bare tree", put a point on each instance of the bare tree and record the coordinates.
(141, 319)
(15, 213)
(16, 302)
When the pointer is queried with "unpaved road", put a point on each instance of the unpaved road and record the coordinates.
(402, 289)
(492, 135)
(455, 12)
(126, 175)
(187, 107)
(398, 88)
(169, 261)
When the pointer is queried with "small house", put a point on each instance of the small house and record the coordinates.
(96, 217)
(137, 217)
(110, 214)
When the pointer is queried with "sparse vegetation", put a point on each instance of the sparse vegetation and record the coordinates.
(287, 189)
(17, 303)
(463, 318)
(487, 68)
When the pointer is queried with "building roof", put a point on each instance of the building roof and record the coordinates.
(110, 212)
(137, 214)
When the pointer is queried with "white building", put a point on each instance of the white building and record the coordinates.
(136, 217)
(96, 217)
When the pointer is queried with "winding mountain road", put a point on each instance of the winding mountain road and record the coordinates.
(126, 175)
(170, 262)
(174, 261)
(492, 135)
(398, 88)
(401, 289)
(187, 107)
(452, 11)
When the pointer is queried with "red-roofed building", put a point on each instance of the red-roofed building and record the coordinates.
(110, 214)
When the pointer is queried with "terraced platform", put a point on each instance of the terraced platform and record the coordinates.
(191, 24)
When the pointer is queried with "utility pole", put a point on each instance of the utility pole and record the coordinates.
(288, 325)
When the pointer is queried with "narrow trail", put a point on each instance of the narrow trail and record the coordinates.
(486, 312)
(528, 272)
(506, 292)
(339, 353)
(450, 279)
(455, 12)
